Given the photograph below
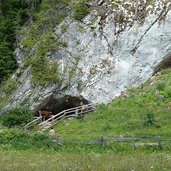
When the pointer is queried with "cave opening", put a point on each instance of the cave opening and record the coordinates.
(55, 106)
(166, 63)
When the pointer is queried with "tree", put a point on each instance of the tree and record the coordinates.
(13, 14)
(7, 64)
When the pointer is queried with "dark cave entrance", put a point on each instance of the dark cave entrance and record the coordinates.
(166, 63)
(57, 105)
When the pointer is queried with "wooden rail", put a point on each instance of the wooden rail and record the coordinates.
(33, 123)
(72, 112)
(158, 142)
(136, 142)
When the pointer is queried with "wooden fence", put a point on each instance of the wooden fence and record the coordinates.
(79, 111)
(33, 123)
(135, 142)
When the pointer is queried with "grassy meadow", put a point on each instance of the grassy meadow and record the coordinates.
(49, 160)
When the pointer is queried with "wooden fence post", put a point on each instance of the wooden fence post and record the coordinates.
(159, 143)
(133, 143)
(102, 141)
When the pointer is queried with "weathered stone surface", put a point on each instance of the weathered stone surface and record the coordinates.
(121, 62)
(109, 61)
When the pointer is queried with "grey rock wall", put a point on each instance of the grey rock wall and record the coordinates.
(112, 63)
(108, 59)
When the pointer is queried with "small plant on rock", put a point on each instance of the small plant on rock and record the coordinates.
(80, 9)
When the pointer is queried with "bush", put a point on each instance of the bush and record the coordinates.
(167, 92)
(166, 71)
(40, 140)
(149, 120)
(17, 117)
(80, 9)
(160, 86)
(17, 139)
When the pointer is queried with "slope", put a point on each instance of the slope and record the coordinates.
(144, 112)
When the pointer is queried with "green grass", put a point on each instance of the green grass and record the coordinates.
(128, 116)
(49, 160)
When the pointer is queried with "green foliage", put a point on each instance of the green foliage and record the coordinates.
(165, 71)
(40, 37)
(14, 13)
(160, 86)
(42, 72)
(50, 161)
(63, 28)
(6, 90)
(17, 139)
(167, 92)
(52, 13)
(7, 64)
(80, 9)
(150, 1)
(149, 120)
(17, 117)
(8, 87)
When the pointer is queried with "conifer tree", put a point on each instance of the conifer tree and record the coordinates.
(13, 14)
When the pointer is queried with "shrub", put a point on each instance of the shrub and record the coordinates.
(80, 9)
(166, 71)
(149, 120)
(40, 140)
(160, 86)
(18, 139)
(16, 117)
(167, 92)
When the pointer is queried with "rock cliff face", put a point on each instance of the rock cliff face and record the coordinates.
(105, 56)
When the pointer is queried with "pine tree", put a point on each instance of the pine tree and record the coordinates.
(13, 14)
